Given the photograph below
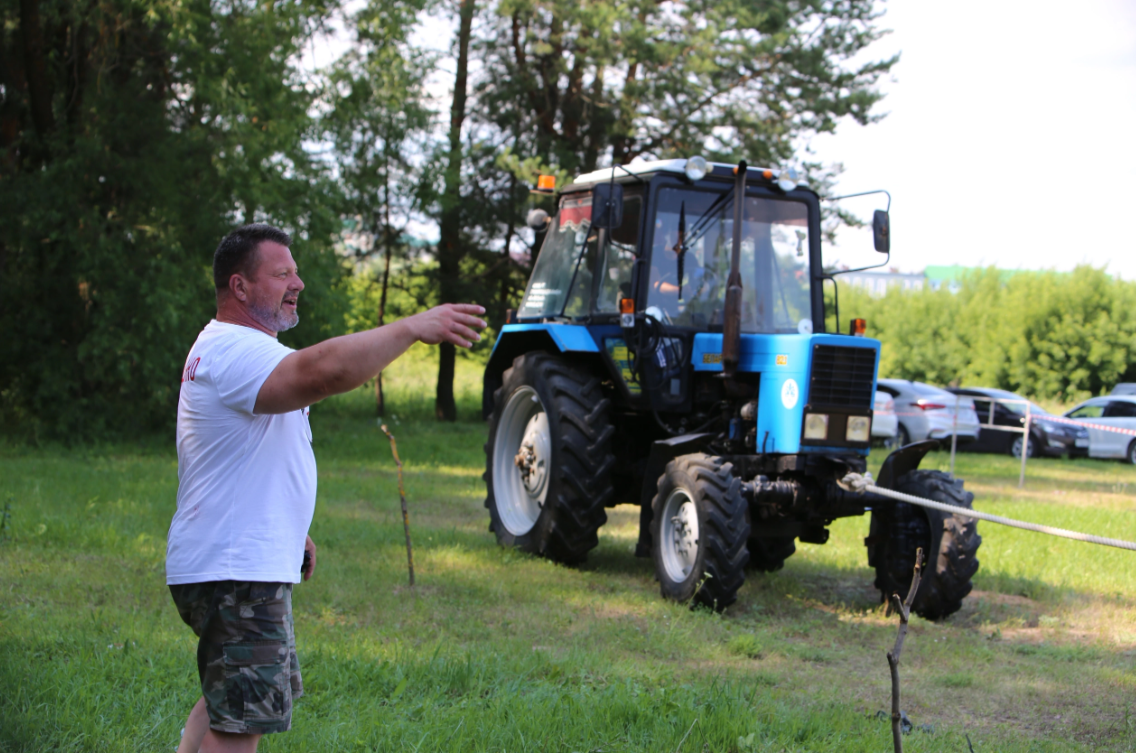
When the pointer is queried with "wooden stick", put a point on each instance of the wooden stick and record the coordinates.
(402, 498)
(904, 608)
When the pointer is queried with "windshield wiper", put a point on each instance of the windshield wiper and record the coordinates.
(702, 224)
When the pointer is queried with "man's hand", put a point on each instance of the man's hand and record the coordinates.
(450, 322)
(310, 548)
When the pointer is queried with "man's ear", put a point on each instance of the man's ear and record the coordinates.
(238, 286)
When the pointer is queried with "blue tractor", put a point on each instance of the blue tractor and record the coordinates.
(671, 352)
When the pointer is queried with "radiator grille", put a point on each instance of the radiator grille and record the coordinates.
(842, 376)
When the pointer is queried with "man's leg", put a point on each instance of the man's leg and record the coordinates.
(229, 742)
(195, 728)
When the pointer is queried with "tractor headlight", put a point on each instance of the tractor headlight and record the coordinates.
(859, 429)
(696, 168)
(816, 426)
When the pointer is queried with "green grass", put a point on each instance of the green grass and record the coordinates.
(495, 651)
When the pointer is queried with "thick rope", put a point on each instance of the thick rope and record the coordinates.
(860, 483)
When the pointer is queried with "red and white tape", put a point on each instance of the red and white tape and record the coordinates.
(1100, 427)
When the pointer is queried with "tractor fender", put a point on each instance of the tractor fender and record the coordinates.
(518, 339)
(906, 458)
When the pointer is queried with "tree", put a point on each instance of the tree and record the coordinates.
(378, 121)
(636, 78)
(134, 135)
(450, 243)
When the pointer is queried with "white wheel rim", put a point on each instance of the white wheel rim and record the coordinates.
(522, 461)
(679, 535)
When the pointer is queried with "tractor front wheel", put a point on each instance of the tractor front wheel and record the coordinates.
(548, 459)
(699, 531)
(949, 542)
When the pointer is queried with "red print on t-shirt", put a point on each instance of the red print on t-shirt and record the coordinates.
(190, 370)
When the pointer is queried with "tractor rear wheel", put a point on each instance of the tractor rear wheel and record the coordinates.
(548, 459)
(699, 531)
(949, 542)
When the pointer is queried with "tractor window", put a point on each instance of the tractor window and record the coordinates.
(688, 283)
(556, 265)
(580, 296)
(619, 258)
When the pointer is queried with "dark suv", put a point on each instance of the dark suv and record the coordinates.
(1047, 437)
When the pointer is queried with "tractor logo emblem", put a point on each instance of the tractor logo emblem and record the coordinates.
(789, 393)
(782, 360)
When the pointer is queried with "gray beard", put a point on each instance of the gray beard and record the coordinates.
(277, 320)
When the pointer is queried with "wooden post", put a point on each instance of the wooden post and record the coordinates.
(904, 608)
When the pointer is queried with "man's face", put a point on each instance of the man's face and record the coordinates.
(274, 288)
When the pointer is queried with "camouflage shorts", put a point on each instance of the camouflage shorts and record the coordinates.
(246, 657)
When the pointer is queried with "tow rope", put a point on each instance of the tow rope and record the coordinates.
(859, 483)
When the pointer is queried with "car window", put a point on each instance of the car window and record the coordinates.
(890, 390)
(1120, 409)
(982, 407)
(1088, 411)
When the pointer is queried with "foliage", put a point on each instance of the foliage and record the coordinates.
(642, 79)
(134, 135)
(1046, 334)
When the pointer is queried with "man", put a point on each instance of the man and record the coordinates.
(247, 479)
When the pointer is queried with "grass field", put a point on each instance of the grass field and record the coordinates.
(495, 651)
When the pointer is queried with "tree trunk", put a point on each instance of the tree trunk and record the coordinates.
(449, 246)
(35, 66)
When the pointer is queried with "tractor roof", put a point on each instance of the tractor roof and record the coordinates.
(678, 166)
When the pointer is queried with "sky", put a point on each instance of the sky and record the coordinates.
(1010, 138)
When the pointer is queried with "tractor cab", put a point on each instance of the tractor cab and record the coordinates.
(671, 351)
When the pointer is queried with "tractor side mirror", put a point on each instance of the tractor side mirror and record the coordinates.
(607, 206)
(881, 231)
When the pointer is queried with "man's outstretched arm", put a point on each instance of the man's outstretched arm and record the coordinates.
(343, 363)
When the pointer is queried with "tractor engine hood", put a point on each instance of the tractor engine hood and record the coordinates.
(828, 375)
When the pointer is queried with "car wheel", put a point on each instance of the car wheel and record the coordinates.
(902, 438)
(1031, 447)
(1132, 452)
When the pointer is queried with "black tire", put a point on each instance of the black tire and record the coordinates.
(558, 514)
(703, 489)
(1031, 447)
(902, 437)
(950, 543)
(1131, 455)
(767, 554)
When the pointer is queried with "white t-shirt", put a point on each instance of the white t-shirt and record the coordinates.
(246, 483)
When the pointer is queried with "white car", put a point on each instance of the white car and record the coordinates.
(1114, 411)
(927, 412)
(885, 423)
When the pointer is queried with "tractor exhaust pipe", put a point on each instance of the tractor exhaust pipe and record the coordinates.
(732, 325)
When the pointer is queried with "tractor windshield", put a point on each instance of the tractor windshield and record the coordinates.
(688, 278)
(559, 258)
